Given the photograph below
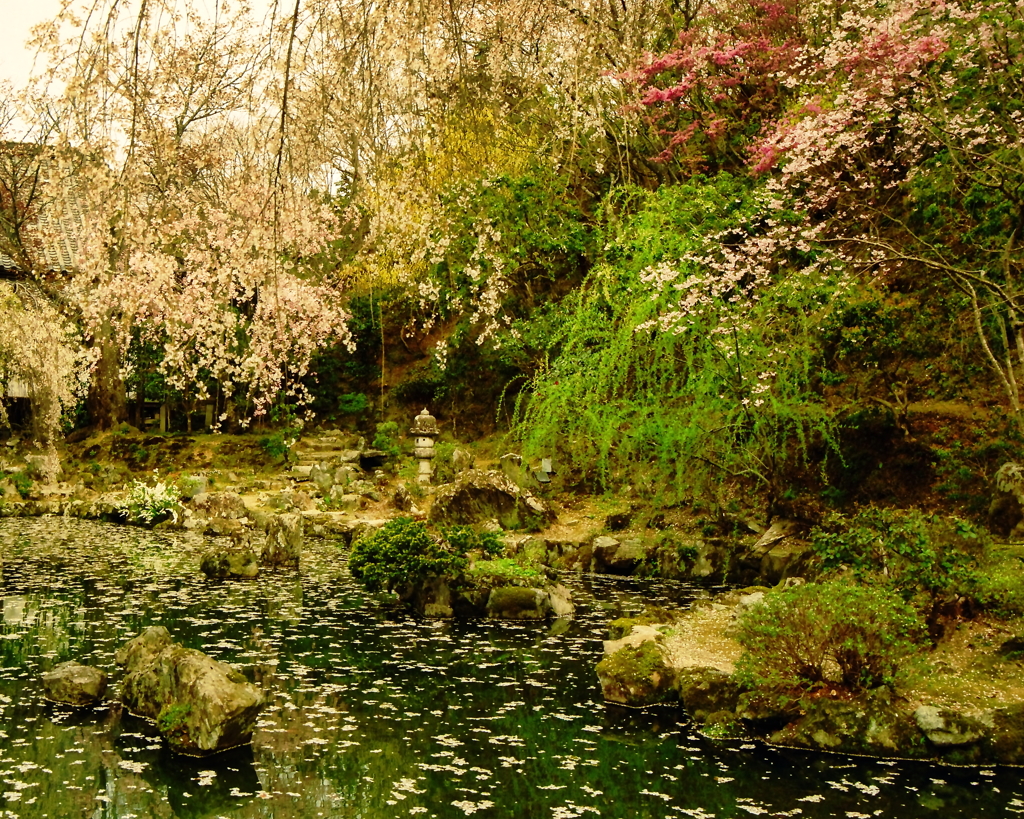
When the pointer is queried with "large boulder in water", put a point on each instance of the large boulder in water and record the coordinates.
(200, 705)
(478, 496)
(75, 684)
(1006, 743)
(484, 596)
(284, 541)
(637, 675)
(527, 603)
(230, 564)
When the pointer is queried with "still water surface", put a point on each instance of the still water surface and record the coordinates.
(373, 713)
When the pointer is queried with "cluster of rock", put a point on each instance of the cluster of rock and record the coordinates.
(642, 668)
(335, 472)
(200, 706)
(247, 544)
(492, 597)
(768, 557)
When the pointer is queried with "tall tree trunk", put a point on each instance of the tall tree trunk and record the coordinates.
(107, 401)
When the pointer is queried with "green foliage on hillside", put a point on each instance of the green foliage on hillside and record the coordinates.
(924, 558)
(682, 355)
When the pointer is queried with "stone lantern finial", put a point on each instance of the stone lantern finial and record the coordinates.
(424, 431)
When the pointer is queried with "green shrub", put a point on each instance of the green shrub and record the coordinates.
(918, 555)
(405, 551)
(444, 469)
(1000, 588)
(22, 482)
(279, 443)
(386, 441)
(662, 373)
(836, 633)
(464, 539)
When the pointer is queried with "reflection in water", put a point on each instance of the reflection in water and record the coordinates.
(375, 714)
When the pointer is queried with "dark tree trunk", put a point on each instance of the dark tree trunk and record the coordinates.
(107, 401)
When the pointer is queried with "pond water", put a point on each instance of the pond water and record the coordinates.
(373, 713)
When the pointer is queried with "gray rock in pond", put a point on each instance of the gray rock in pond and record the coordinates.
(627, 556)
(233, 563)
(945, 728)
(283, 546)
(75, 684)
(201, 706)
(1006, 742)
(704, 691)
(223, 527)
(783, 559)
(875, 725)
(560, 599)
(143, 648)
(431, 597)
(604, 548)
(478, 496)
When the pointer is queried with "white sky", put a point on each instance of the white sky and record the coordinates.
(16, 18)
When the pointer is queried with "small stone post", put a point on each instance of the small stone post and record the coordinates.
(424, 431)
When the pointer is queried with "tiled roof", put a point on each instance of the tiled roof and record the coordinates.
(58, 224)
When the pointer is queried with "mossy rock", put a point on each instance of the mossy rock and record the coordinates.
(637, 676)
(652, 615)
(518, 603)
(873, 726)
(704, 691)
(1006, 743)
(722, 725)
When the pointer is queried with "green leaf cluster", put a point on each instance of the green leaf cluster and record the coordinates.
(386, 439)
(22, 483)
(533, 231)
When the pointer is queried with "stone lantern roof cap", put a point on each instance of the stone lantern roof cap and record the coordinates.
(425, 424)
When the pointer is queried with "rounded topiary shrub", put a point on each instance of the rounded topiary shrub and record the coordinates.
(405, 551)
(836, 633)
(400, 552)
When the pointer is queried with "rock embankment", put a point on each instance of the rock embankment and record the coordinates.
(688, 661)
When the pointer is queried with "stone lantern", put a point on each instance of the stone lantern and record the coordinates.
(424, 431)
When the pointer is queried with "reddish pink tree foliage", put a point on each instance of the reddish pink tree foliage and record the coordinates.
(712, 94)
